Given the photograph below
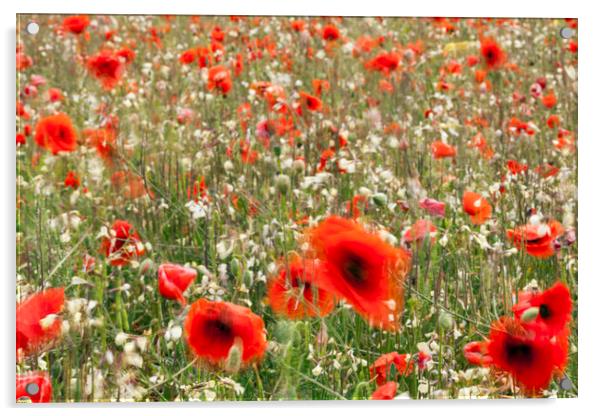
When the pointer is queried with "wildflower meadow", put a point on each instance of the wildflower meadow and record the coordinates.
(217, 208)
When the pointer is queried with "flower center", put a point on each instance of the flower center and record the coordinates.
(544, 311)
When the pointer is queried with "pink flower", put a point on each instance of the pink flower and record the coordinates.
(37, 80)
(433, 207)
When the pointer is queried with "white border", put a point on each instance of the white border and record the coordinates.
(590, 177)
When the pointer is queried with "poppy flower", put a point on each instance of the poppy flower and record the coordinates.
(331, 33)
(293, 291)
(381, 368)
(103, 140)
(219, 78)
(72, 181)
(122, 245)
(21, 139)
(54, 95)
(310, 102)
(492, 53)
(174, 280)
(385, 62)
(361, 268)
(531, 359)
(56, 133)
(547, 170)
(37, 319)
(442, 150)
(549, 100)
(39, 379)
(385, 392)
(516, 127)
(420, 230)
(433, 207)
(213, 328)
(476, 353)
(553, 121)
(515, 167)
(477, 207)
(107, 67)
(536, 238)
(188, 56)
(76, 24)
(553, 307)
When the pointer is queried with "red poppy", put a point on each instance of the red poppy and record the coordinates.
(516, 127)
(174, 280)
(213, 328)
(553, 307)
(532, 359)
(130, 184)
(419, 231)
(331, 33)
(107, 67)
(103, 140)
(39, 379)
(476, 353)
(75, 24)
(477, 207)
(549, 100)
(21, 139)
(492, 53)
(37, 319)
(126, 54)
(442, 150)
(293, 291)
(56, 133)
(385, 62)
(553, 121)
(54, 95)
(547, 170)
(385, 392)
(219, 78)
(188, 56)
(122, 245)
(515, 168)
(381, 368)
(72, 181)
(361, 268)
(310, 102)
(536, 238)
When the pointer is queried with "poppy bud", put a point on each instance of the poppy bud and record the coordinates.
(380, 199)
(234, 357)
(283, 183)
(146, 266)
(530, 314)
(446, 320)
(299, 166)
(235, 266)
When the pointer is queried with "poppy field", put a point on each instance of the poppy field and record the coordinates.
(225, 208)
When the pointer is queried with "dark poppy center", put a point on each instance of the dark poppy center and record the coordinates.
(519, 353)
(544, 311)
(218, 330)
(354, 270)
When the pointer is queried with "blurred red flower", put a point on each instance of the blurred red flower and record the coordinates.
(122, 245)
(477, 207)
(56, 133)
(174, 280)
(442, 150)
(107, 67)
(214, 328)
(536, 238)
(76, 24)
(219, 78)
(361, 268)
(553, 307)
(492, 53)
(293, 291)
(41, 380)
(385, 392)
(37, 319)
(381, 368)
(532, 359)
